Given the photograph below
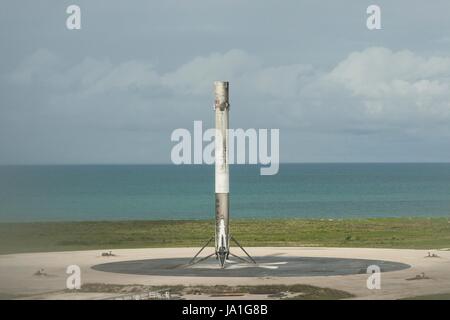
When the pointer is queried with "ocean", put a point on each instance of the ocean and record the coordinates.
(155, 192)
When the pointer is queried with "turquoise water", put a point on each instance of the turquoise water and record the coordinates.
(43, 193)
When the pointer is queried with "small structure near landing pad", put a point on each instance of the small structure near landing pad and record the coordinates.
(268, 266)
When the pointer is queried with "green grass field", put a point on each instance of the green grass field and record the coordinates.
(418, 233)
(443, 296)
(297, 291)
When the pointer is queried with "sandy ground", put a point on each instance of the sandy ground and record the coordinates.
(17, 272)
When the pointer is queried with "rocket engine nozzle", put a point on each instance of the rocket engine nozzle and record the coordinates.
(222, 255)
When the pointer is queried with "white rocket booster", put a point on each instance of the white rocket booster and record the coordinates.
(222, 182)
(222, 177)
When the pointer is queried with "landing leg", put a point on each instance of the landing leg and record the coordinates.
(201, 259)
(222, 255)
(193, 259)
(239, 245)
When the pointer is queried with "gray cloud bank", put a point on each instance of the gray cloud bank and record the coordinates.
(99, 111)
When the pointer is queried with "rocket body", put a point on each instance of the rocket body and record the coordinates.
(222, 176)
(222, 181)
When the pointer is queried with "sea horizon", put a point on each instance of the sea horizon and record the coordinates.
(231, 164)
(34, 193)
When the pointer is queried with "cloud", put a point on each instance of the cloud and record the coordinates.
(377, 72)
(42, 63)
(396, 86)
(375, 84)
(371, 92)
(197, 76)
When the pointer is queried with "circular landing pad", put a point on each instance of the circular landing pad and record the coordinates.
(270, 266)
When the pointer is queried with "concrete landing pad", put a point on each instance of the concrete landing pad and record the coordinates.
(269, 266)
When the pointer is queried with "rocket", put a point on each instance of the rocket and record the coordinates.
(222, 174)
(222, 183)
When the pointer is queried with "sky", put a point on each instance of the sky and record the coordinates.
(114, 91)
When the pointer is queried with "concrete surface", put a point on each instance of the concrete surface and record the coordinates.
(17, 271)
(266, 266)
